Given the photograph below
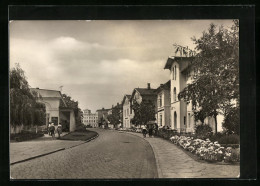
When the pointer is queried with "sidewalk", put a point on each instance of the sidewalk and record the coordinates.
(172, 162)
(20, 151)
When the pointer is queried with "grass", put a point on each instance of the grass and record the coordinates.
(79, 135)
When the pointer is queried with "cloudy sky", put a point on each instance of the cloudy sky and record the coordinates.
(97, 62)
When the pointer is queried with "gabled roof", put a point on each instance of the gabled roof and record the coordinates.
(184, 62)
(146, 94)
(165, 86)
(45, 93)
(124, 98)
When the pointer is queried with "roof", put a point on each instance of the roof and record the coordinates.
(103, 109)
(145, 91)
(146, 94)
(45, 93)
(165, 86)
(184, 62)
(126, 96)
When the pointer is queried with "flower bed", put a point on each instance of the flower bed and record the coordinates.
(207, 150)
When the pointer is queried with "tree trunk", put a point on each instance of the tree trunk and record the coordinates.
(36, 130)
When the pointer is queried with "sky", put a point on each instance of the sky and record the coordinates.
(98, 62)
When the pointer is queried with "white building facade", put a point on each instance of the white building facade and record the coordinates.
(163, 115)
(127, 114)
(181, 73)
(90, 118)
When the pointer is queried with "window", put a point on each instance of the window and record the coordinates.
(54, 120)
(160, 100)
(175, 120)
(175, 72)
(174, 94)
(184, 120)
(161, 120)
(188, 119)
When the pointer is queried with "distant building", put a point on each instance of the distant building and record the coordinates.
(102, 117)
(90, 118)
(127, 116)
(56, 108)
(163, 115)
(143, 95)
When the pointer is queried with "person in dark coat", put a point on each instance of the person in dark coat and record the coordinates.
(150, 131)
(155, 127)
(52, 130)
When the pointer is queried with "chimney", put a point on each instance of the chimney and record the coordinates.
(148, 86)
(37, 87)
(161, 85)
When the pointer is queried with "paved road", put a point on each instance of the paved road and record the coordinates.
(111, 155)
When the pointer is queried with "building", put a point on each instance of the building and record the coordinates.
(127, 116)
(143, 95)
(181, 73)
(56, 109)
(163, 115)
(90, 118)
(102, 117)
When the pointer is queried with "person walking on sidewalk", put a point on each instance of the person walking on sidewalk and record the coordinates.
(155, 128)
(49, 129)
(144, 131)
(52, 129)
(150, 131)
(59, 130)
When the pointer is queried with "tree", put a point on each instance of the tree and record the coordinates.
(115, 117)
(231, 121)
(144, 112)
(216, 63)
(24, 108)
(74, 105)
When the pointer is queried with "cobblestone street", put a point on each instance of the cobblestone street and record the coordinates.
(111, 155)
(120, 155)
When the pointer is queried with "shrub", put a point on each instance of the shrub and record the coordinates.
(232, 121)
(229, 139)
(203, 131)
(216, 137)
(81, 128)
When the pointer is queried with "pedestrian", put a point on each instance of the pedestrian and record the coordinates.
(49, 129)
(150, 131)
(59, 130)
(52, 129)
(144, 131)
(155, 129)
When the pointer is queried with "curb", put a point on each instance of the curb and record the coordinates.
(60, 149)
